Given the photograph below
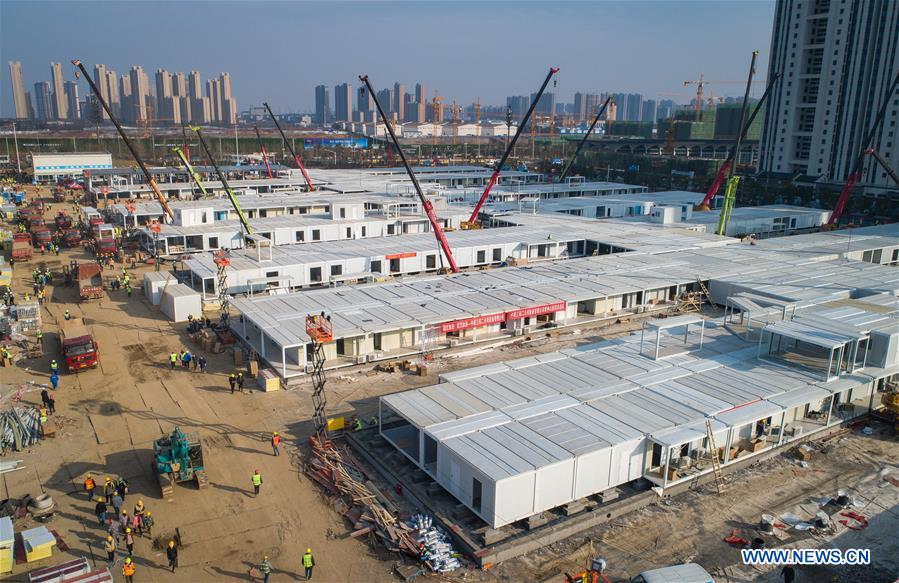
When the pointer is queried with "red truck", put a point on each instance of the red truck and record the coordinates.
(63, 221)
(78, 347)
(41, 236)
(71, 237)
(106, 248)
(21, 247)
(90, 281)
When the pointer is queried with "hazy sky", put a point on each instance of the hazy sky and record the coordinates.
(278, 51)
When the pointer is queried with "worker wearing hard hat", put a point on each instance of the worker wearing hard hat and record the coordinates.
(276, 441)
(308, 563)
(171, 552)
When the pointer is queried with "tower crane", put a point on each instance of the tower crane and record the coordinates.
(425, 203)
(296, 158)
(472, 220)
(151, 182)
(436, 114)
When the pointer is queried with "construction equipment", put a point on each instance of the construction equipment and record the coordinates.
(178, 458)
(151, 182)
(856, 172)
(425, 203)
(511, 145)
(230, 193)
(320, 331)
(732, 155)
(890, 401)
(716, 463)
(296, 158)
(595, 573)
(190, 170)
(221, 260)
(268, 168)
(730, 191)
(583, 141)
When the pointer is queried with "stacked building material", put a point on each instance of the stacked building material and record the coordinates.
(20, 427)
(28, 316)
(441, 555)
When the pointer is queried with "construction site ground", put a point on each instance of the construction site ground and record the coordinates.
(108, 417)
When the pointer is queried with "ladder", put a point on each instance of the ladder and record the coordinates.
(716, 464)
(705, 291)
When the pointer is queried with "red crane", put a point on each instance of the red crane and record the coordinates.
(425, 203)
(731, 156)
(264, 156)
(866, 149)
(511, 145)
(296, 157)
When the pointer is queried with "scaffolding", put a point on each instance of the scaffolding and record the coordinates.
(222, 262)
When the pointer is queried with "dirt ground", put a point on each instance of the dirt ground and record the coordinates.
(108, 417)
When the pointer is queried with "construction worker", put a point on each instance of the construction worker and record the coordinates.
(110, 549)
(89, 485)
(186, 358)
(171, 554)
(257, 481)
(139, 514)
(265, 568)
(147, 523)
(357, 423)
(128, 570)
(43, 414)
(124, 520)
(308, 563)
(240, 381)
(173, 358)
(232, 380)
(121, 487)
(66, 315)
(128, 290)
(54, 366)
(201, 363)
(129, 540)
(117, 503)
(54, 380)
(100, 510)
(276, 440)
(4, 353)
(39, 338)
(108, 489)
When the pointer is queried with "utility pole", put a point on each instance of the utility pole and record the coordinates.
(15, 139)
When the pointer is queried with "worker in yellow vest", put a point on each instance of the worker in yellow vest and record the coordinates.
(308, 563)
(257, 481)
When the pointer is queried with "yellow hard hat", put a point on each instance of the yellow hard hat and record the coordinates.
(140, 502)
(88, 475)
(108, 479)
(308, 550)
(149, 513)
(127, 530)
(171, 543)
(275, 433)
(127, 560)
(109, 537)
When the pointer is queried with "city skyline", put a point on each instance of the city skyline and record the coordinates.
(631, 40)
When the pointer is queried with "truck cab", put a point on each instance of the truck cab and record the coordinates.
(71, 237)
(41, 236)
(79, 350)
(106, 247)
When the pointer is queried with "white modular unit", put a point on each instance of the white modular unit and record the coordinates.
(179, 301)
(154, 283)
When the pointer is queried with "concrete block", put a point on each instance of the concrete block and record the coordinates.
(608, 495)
(574, 507)
(537, 520)
(491, 536)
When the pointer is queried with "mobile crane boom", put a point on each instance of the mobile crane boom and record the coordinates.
(584, 139)
(296, 158)
(499, 166)
(150, 180)
(190, 169)
(264, 156)
(856, 172)
(731, 156)
(425, 203)
(231, 196)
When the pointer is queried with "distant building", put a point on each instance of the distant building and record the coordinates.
(43, 107)
(101, 80)
(650, 110)
(399, 100)
(343, 102)
(546, 105)
(58, 95)
(519, 105)
(837, 60)
(727, 121)
(73, 106)
(19, 95)
(322, 105)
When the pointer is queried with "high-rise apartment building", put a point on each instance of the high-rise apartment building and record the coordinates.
(322, 105)
(57, 86)
(399, 101)
(136, 107)
(43, 106)
(19, 95)
(519, 104)
(115, 100)
(343, 102)
(73, 106)
(650, 110)
(101, 80)
(836, 58)
(229, 102)
(215, 100)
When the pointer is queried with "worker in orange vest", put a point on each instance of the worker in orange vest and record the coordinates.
(89, 486)
(128, 570)
(276, 440)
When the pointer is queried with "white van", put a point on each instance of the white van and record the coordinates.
(686, 573)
